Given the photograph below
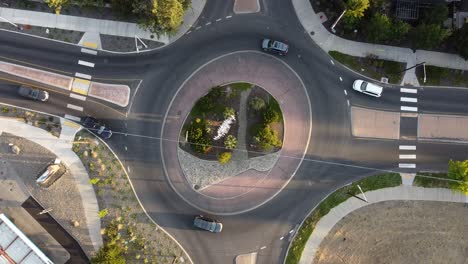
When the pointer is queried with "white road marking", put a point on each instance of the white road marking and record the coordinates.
(407, 147)
(292, 230)
(409, 99)
(341, 79)
(188, 32)
(228, 17)
(85, 63)
(347, 101)
(332, 62)
(126, 149)
(406, 156)
(74, 118)
(407, 165)
(407, 90)
(219, 19)
(281, 238)
(262, 247)
(79, 97)
(83, 76)
(207, 24)
(409, 108)
(345, 92)
(74, 107)
(92, 52)
(197, 28)
(128, 168)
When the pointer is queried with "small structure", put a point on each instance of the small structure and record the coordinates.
(15, 247)
(407, 9)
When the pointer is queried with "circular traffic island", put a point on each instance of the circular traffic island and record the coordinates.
(232, 129)
(235, 132)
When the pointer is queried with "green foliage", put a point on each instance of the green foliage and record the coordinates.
(356, 8)
(257, 103)
(103, 213)
(241, 86)
(436, 15)
(224, 157)
(272, 112)
(57, 5)
(399, 30)
(460, 39)
(267, 138)
(198, 137)
(228, 112)
(458, 170)
(112, 252)
(428, 36)
(230, 142)
(378, 28)
(94, 180)
(202, 106)
(5, 109)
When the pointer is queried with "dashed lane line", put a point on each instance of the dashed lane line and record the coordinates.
(219, 19)
(75, 107)
(207, 24)
(228, 17)
(345, 92)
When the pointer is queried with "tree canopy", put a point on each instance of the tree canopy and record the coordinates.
(458, 170)
(461, 41)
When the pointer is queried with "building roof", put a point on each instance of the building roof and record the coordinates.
(15, 247)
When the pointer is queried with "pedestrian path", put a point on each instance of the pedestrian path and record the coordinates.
(403, 192)
(328, 41)
(62, 148)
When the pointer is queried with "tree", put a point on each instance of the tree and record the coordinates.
(461, 41)
(356, 8)
(267, 138)
(436, 15)
(458, 170)
(230, 142)
(257, 103)
(224, 157)
(228, 112)
(379, 27)
(56, 4)
(169, 14)
(270, 115)
(399, 30)
(428, 36)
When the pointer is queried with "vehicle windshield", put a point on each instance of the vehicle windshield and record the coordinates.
(363, 86)
(101, 129)
(34, 93)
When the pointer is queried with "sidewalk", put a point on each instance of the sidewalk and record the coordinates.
(328, 41)
(93, 27)
(403, 192)
(62, 148)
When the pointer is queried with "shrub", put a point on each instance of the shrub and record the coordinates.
(224, 157)
(272, 113)
(230, 142)
(103, 213)
(228, 112)
(94, 180)
(257, 103)
(356, 8)
(461, 41)
(267, 138)
(428, 36)
(202, 145)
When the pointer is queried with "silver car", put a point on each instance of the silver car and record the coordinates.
(207, 224)
(32, 93)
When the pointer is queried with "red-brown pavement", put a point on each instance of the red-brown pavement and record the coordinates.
(250, 189)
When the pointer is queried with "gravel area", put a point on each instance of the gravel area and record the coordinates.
(48, 123)
(63, 196)
(54, 33)
(206, 172)
(125, 44)
(399, 232)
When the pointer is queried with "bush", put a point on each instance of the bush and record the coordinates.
(257, 103)
(103, 213)
(436, 15)
(198, 135)
(202, 145)
(272, 112)
(428, 36)
(230, 142)
(228, 112)
(267, 138)
(460, 39)
(224, 157)
(458, 170)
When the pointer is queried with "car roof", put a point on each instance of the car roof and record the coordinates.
(373, 88)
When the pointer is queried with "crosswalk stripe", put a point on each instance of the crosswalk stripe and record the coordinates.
(85, 63)
(92, 52)
(409, 108)
(82, 75)
(407, 165)
(75, 107)
(407, 147)
(407, 156)
(71, 117)
(79, 97)
(407, 90)
(409, 99)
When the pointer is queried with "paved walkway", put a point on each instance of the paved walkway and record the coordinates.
(93, 27)
(403, 192)
(62, 148)
(328, 41)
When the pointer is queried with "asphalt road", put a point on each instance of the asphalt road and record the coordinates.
(333, 158)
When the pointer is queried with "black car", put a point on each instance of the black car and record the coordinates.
(207, 224)
(274, 46)
(95, 126)
(32, 93)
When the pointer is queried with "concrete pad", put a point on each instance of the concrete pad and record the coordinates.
(443, 127)
(250, 258)
(246, 6)
(370, 123)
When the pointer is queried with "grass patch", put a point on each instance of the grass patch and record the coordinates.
(274, 105)
(242, 86)
(442, 76)
(431, 182)
(334, 199)
(372, 67)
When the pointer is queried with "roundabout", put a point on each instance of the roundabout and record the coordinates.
(249, 188)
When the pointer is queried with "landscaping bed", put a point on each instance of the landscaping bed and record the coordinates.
(128, 233)
(334, 199)
(438, 76)
(372, 67)
(49, 123)
(434, 180)
(69, 36)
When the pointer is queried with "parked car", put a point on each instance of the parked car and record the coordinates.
(32, 93)
(274, 46)
(368, 88)
(50, 175)
(95, 126)
(208, 224)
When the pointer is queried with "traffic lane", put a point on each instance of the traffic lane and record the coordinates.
(443, 100)
(434, 156)
(214, 10)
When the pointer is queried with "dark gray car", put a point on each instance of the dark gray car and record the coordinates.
(207, 224)
(32, 93)
(274, 46)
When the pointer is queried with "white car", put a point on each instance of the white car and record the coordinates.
(367, 88)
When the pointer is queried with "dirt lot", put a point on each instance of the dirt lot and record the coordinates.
(399, 232)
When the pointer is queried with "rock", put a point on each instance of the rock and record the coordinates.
(75, 223)
(15, 149)
(85, 153)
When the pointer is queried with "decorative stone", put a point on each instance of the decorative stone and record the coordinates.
(15, 149)
(75, 223)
